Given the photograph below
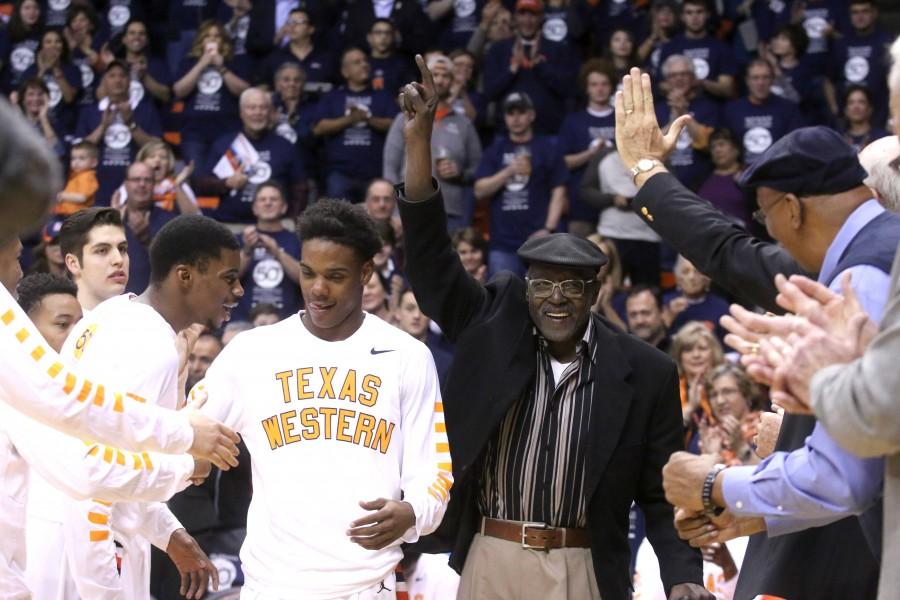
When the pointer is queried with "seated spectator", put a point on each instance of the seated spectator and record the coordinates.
(736, 402)
(376, 298)
(721, 187)
(80, 34)
(530, 64)
(390, 71)
(81, 186)
(264, 314)
(760, 118)
(19, 41)
(33, 98)
(119, 14)
(187, 22)
(495, 26)
(270, 268)
(603, 18)
(823, 21)
(585, 133)
(644, 313)
(785, 52)
(472, 249)
(413, 28)
(149, 75)
(662, 28)
(455, 21)
(142, 220)
(289, 102)
(118, 126)
(171, 192)
(409, 317)
(621, 52)
(713, 63)
(859, 57)
(385, 262)
(523, 176)
(454, 145)
(204, 352)
(691, 301)
(381, 203)
(611, 300)
(696, 352)
(209, 80)
(353, 121)
(464, 99)
(856, 125)
(235, 15)
(54, 66)
(240, 161)
(690, 160)
(563, 22)
(317, 63)
(47, 256)
(608, 187)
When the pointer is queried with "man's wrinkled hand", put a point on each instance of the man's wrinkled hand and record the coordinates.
(767, 433)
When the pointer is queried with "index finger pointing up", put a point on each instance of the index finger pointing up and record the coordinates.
(425, 72)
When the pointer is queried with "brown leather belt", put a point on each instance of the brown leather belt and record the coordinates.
(536, 536)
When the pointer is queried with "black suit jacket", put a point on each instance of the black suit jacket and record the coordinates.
(636, 427)
(792, 566)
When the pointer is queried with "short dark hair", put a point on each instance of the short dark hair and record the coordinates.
(263, 309)
(34, 288)
(271, 183)
(188, 240)
(472, 237)
(703, 3)
(27, 84)
(386, 232)
(73, 235)
(383, 20)
(596, 65)
(342, 223)
(643, 287)
(857, 88)
(798, 36)
(117, 64)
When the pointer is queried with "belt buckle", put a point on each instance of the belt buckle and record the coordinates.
(528, 546)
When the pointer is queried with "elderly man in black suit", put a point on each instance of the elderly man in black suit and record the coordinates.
(557, 421)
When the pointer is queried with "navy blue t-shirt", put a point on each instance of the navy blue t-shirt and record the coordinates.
(211, 108)
(708, 312)
(278, 160)
(265, 281)
(711, 57)
(864, 61)
(319, 66)
(691, 166)
(55, 13)
(17, 58)
(156, 69)
(520, 207)
(457, 27)
(356, 151)
(61, 112)
(89, 78)
(861, 141)
(818, 15)
(795, 83)
(139, 254)
(117, 147)
(391, 73)
(759, 126)
(186, 15)
(578, 131)
(118, 13)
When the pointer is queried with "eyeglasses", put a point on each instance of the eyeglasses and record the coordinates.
(570, 288)
(723, 392)
(759, 215)
(298, 22)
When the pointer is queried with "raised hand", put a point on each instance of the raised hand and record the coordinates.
(419, 103)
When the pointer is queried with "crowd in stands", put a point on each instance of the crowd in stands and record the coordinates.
(248, 111)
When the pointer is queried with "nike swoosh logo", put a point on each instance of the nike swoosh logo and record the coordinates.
(374, 351)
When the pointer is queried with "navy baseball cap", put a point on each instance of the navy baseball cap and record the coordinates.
(51, 230)
(811, 161)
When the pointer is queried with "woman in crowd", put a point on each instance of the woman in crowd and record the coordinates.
(495, 26)
(20, 37)
(463, 97)
(857, 126)
(81, 25)
(621, 51)
(148, 74)
(736, 403)
(663, 25)
(375, 299)
(785, 53)
(210, 80)
(170, 190)
(63, 79)
(721, 187)
(611, 301)
(33, 98)
(471, 247)
(696, 352)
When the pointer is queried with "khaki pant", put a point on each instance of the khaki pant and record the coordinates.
(496, 569)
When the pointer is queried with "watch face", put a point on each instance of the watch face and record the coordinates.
(645, 164)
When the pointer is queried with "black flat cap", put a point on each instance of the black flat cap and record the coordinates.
(811, 161)
(563, 249)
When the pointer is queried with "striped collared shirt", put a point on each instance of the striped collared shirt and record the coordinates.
(534, 466)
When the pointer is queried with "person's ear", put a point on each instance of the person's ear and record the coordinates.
(367, 271)
(795, 208)
(184, 276)
(72, 264)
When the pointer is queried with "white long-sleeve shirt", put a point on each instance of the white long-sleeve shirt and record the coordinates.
(330, 424)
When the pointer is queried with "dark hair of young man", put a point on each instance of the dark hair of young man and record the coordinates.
(643, 287)
(188, 240)
(342, 223)
(73, 235)
(34, 288)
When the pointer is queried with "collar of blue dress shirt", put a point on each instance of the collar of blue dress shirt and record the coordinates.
(858, 219)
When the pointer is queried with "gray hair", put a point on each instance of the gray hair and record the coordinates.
(894, 76)
(30, 174)
(677, 58)
(254, 90)
(884, 180)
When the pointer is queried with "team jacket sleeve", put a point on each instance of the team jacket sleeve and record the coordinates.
(158, 524)
(91, 551)
(426, 472)
(34, 381)
(87, 470)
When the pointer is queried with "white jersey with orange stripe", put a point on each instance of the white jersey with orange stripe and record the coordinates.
(330, 424)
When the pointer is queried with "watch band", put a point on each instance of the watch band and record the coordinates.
(709, 508)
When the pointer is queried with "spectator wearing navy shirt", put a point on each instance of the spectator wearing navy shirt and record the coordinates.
(692, 301)
(760, 118)
(663, 27)
(785, 52)
(149, 75)
(118, 126)
(353, 121)
(235, 15)
(277, 159)
(33, 99)
(606, 17)
(621, 51)
(860, 58)
(186, 20)
(19, 41)
(55, 12)
(523, 176)
(464, 98)
(413, 27)
(690, 159)
(270, 268)
(80, 34)
(119, 13)
(533, 65)
(583, 134)
(824, 21)
(318, 64)
(409, 317)
(721, 186)
(293, 110)
(389, 70)
(209, 80)
(63, 79)
(142, 220)
(713, 62)
(856, 125)
(456, 20)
